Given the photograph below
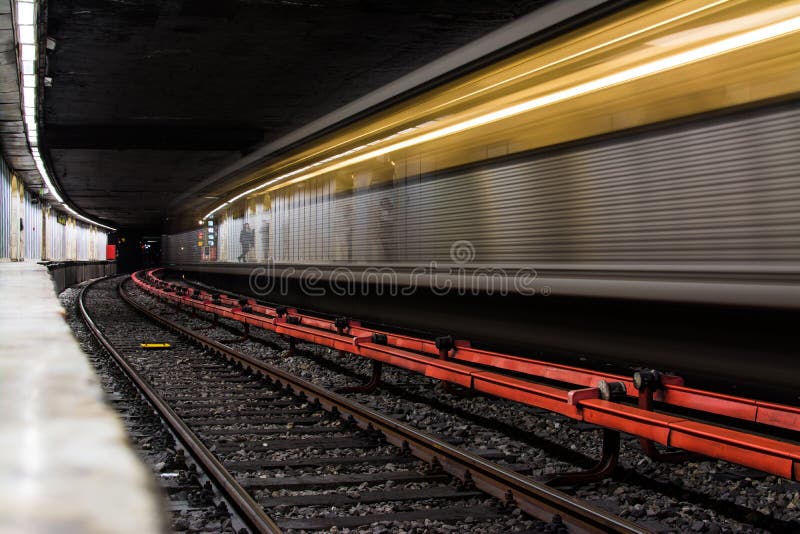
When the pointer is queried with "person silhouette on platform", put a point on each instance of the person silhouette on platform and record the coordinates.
(247, 238)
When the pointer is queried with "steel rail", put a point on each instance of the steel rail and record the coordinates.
(669, 390)
(250, 511)
(588, 403)
(537, 499)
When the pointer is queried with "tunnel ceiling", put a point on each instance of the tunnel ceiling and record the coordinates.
(151, 96)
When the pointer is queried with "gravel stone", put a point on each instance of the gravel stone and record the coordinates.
(709, 494)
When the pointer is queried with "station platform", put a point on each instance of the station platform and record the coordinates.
(65, 462)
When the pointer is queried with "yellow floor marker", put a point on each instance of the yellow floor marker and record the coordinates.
(154, 346)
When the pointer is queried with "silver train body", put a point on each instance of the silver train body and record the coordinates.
(700, 211)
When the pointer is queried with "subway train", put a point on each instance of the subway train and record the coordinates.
(625, 194)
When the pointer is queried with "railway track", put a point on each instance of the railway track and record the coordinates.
(191, 502)
(291, 456)
(661, 496)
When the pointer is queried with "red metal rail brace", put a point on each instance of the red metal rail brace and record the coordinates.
(773, 456)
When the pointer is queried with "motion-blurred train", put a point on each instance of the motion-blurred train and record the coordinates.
(625, 192)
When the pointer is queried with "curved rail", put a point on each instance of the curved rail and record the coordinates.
(579, 396)
(250, 511)
(537, 499)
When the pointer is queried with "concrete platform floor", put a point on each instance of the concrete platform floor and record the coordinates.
(65, 462)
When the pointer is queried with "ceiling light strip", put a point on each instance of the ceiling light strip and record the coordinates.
(26, 36)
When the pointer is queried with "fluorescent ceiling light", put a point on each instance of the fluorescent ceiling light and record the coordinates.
(26, 13)
(79, 216)
(52, 189)
(29, 93)
(648, 69)
(28, 52)
(26, 18)
(27, 34)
